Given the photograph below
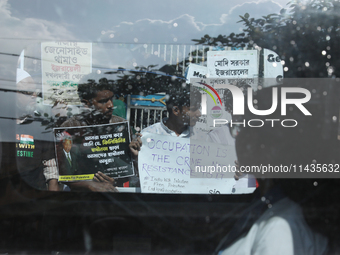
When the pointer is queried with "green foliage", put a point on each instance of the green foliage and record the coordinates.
(305, 35)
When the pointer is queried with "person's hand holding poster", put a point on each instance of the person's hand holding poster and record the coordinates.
(83, 151)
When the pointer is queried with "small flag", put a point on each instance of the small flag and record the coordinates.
(28, 139)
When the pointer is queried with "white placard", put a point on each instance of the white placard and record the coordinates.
(273, 69)
(169, 164)
(233, 64)
(195, 71)
(63, 64)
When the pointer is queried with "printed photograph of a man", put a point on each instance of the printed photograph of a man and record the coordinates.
(67, 157)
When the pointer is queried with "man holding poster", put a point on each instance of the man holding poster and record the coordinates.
(96, 94)
(170, 162)
(182, 117)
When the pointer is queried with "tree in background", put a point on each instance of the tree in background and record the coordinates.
(306, 37)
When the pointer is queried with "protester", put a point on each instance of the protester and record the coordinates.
(96, 95)
(33, 156)
(183, 107)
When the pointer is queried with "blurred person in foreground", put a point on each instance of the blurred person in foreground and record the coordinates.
(274, 223)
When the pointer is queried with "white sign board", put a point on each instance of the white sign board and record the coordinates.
(195, 71)
(169, 164)
(233, 64)
(273, 69)
(63, 64)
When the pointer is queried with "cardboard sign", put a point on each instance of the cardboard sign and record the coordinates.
(170, 164)
(83, 151)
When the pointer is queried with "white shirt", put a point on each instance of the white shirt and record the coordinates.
(160, 129)
(281, 230)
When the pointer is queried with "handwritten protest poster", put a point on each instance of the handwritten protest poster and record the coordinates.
(83, 151)
(170, 164)
(63, 64)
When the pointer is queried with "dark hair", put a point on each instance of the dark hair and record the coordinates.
(90, 84)
(184, 95)
(314, 138)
